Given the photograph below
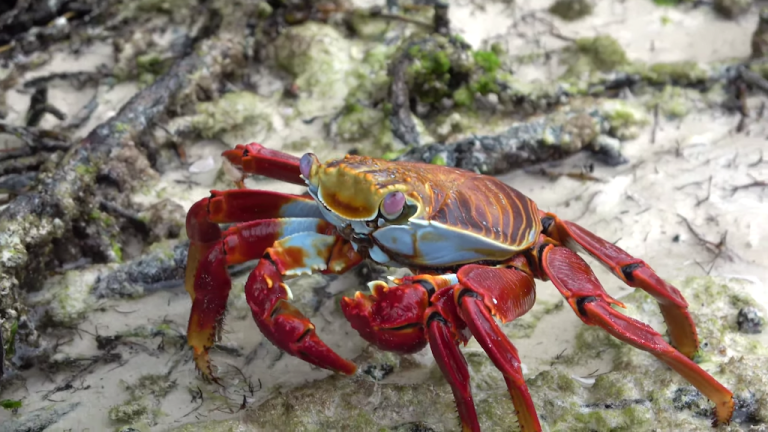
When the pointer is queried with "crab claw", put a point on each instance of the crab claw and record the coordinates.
(391, 317)
(284, 325)
(254, 158)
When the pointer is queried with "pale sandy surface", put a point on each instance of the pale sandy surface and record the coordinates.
(638, 206)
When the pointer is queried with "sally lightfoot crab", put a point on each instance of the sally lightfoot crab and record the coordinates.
(474, 246)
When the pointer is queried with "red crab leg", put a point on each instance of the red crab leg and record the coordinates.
(254, 158)
(633, 272)
(506, 293)
(232, 206)
(210, 283)
(578, 284)
(269, 298)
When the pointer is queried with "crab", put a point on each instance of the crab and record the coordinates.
(473, 245)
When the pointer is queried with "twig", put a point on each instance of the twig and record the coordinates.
(83, 114)
(753, 79)
(578, 175)
(133, 218)
(195, 397)
(92, 361)
(655, 123)
(693, 183)
(758, 161)
(403, 126)
(709, 193)
(37, 138)
(756, 183)
(713, 247)
(80, 78)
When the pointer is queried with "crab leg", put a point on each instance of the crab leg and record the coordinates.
(210, 283)
(400, 319)
(232, 206)
(578, 284)
(506, 293)
(635, 273)
(269, 298)
(254, 158)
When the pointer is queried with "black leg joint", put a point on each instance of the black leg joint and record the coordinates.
(269, 259)
(435, 316)
(540, 254)
(428, 287)
(467, 293)
(582, 301)
(629, 269)
(546, 223)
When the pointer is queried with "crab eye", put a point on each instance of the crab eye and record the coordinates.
(305, 165)
(393, 205)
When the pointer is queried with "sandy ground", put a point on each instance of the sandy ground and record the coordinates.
(638, 205)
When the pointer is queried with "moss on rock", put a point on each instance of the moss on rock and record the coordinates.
(598, 54)
(141, 409)
(686, 73)
(674, 102)
(67, 298)
(234, 112)
(571, 10)
(624, 119)
(321, 61)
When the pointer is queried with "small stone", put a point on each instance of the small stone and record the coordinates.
(750, 320)
(732, 8)
(378, 371)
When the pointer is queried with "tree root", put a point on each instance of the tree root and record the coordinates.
(35, 226)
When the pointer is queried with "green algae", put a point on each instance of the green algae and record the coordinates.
(625, 119)
(674, 102)
(141, 408)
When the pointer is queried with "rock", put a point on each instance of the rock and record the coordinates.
(38, 420)
(67, 298)
(234, 115)
(750, 320)
(601, 53)
(165, 220)
(162, 267)
(321, 62)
